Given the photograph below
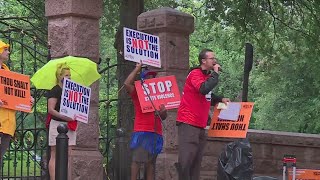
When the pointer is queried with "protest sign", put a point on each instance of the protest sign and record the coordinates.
(231, 129)
(15, 91)
(163, 90)
(305, 174)
(75, 100)
(141, 47)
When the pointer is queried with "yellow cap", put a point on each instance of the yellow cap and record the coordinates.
(2, 46)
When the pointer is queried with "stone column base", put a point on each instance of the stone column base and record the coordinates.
(86, 165)
(165, 168)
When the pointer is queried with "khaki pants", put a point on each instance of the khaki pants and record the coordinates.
(192, 141)
(53, 133)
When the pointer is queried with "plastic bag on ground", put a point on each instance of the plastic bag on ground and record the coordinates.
(236, 161)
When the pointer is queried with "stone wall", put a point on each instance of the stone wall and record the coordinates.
(268, 149)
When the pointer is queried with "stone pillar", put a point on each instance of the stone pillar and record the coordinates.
(73, 29)
(173, 28)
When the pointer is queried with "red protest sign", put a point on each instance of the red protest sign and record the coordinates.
(162, 90)
(15, 91)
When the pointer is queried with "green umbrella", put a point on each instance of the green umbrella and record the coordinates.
(83, 71)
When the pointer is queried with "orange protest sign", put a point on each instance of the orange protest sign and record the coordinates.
(15, 91)
(162, 90)
(231, 129)
(305, 174)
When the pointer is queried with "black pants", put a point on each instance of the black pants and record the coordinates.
(4, 145)
(192, 141)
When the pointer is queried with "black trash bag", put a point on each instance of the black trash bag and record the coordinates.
(236, 162)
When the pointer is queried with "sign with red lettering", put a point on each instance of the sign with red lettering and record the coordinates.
(231, 129)
(141, 47)
(157, 91)
(75, 100)
(15, 91)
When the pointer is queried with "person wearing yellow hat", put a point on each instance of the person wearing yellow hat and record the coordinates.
(7, 116)
(4, 54)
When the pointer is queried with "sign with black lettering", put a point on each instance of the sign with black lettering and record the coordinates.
(15, 91)
(305, 174)
(231, 129)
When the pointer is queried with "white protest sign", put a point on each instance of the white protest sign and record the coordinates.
(141, 47)
(75, 100)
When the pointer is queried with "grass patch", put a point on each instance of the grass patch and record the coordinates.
(20, 169)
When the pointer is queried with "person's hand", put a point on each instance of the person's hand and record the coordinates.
(162, 108)
(1, 103)
(216, 68)
(225, 101)
(163, 111)
(139, 66)
(66, 118)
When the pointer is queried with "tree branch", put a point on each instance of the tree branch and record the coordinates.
(285, 24)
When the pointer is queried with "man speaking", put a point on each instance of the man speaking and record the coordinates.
(193, 113)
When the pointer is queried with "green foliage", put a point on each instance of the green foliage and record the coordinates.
(154, 4)
(284, 82)
(285, 35)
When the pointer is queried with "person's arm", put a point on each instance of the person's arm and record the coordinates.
(216, 99)
(210, 83)
(51, 105)
(163, 112)
(129, 82)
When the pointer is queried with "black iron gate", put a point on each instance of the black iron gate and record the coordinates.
(26, 155)
(28, 152)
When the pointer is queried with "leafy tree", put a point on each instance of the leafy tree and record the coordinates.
(285, 35)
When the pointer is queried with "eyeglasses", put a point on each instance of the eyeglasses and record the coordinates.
(212, 58)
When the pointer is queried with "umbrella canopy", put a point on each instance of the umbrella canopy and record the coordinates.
(83, 71)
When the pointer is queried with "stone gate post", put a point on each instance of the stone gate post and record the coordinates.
(73, 29)
(173, 28)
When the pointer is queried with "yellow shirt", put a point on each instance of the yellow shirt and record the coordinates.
(7, 117)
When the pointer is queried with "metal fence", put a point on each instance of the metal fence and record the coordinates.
(28, 151)
(26, 157)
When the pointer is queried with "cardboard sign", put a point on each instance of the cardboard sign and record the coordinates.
(231, 129)
(15, 91)
(141, 47)
(75, 100)
(163, 90)
(305, 174)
